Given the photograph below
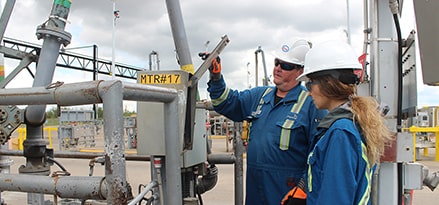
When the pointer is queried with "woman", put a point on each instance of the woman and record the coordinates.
(351, 138)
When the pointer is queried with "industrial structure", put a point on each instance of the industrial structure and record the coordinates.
(182, 165)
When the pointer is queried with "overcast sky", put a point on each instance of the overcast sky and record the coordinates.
(144, 26)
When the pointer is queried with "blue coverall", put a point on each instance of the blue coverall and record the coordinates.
(339, 171)
(271, 170)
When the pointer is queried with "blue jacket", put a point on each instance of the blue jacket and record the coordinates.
(279, 138)
(339, 171)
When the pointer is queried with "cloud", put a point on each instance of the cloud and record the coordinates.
(144, 26)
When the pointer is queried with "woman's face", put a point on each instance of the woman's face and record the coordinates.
(321, 101)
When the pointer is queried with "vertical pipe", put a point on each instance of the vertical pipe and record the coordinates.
(173, 153)
(366, 25)
(113, 53)
(95, 77)
(239, 164)
(256, 69)
(266, 78)
(179, 34)
(6, 14)
(52, 31)
(185, 60)
(374, 58)
(348, 25)
(54, 35)
(115, 173)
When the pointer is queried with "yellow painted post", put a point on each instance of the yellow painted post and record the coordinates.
(426, 150)
(21, 137)
(437, 143)
(414, 146)
(49, 136)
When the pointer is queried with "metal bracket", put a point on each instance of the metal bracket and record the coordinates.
(11, 117)
(206, 64)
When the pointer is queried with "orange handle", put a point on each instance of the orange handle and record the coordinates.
(216, 66)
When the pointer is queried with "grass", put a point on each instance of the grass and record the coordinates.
(52, 122)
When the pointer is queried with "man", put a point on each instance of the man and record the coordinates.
(283, 119)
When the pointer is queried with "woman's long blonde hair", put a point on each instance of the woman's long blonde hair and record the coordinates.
(366, 114)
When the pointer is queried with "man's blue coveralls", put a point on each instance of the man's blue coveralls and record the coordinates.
(279, 140)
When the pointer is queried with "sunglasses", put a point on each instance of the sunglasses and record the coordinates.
(285, 65)
(309, 84)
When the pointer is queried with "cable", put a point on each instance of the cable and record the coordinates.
(59, 165)
(393, 4)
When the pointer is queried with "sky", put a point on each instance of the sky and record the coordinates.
(144, 27)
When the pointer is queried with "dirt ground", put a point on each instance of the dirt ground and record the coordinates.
(223, 193)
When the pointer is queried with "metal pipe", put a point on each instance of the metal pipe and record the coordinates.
(179, 34)
(6, 14)
(82, 93)
(365, 25)
(95, 77)
(185, 61)
(115, 173)
(256, 69)
(140, 92)
(78, 187)
(77, 155)
(239, 164)
(157, 60)
(52, 31)
(173, 137)
(348, 25)
(266, 78)
(375, 54)
(113, 50)
(221, 158)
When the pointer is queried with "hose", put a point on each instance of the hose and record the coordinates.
(208, 181)
(393, 4)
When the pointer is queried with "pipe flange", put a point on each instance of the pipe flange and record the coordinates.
(36, 170)
(62, 36)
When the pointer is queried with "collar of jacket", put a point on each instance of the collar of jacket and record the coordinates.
(291, 97)
(342, 111)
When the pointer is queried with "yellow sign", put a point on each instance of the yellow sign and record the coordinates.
(163, 78)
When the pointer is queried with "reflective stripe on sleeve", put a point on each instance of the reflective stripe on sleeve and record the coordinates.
(222, 98)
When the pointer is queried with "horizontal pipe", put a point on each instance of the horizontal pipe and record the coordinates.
(221, 158)
(77, 187)
(77, 155)
(133, 91)
(82, 93)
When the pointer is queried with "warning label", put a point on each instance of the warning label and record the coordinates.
(160, 78)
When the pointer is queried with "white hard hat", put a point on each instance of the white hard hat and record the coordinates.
(331, 55)
(294, 54)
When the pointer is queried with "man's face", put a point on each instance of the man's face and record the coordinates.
(285, 74)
